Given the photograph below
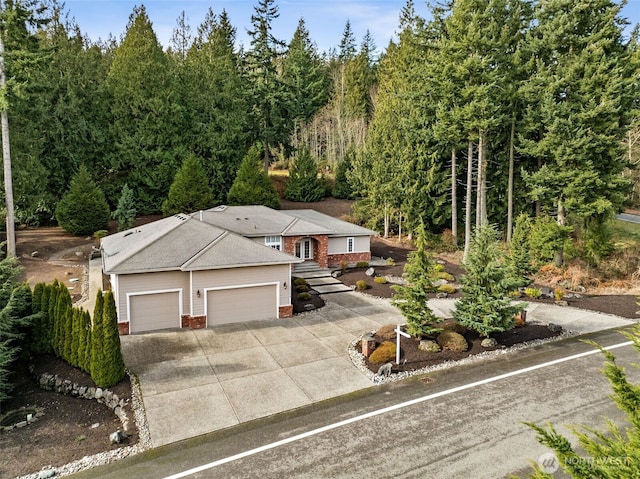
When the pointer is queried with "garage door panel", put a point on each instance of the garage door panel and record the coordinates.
(150, 312)
(238, 305)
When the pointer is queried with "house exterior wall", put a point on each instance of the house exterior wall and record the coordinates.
(223, 278)
(320, 247)
(150, 282)
(338, 244)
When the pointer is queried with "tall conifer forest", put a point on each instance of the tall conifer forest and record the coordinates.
(485, 110)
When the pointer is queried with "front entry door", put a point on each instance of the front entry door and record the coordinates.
(304, 249)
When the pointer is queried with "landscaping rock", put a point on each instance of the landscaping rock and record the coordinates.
(555, 328)
(46, 473)
(384, 370)
(336, 274)
(429, 346)
(370, 272)
(489, 343)
(387, 332)
(34, 254)
(546, 293)
(562, 303)
(451, 325)
(441, 295)
(117, 437)
(309, 307)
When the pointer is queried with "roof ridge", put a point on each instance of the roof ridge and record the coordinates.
(142, 246)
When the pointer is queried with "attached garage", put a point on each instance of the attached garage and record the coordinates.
(237, 305)
(153, 311)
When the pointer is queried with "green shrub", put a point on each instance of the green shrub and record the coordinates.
(300, 281)
(443, 275)
(447, 288)
(437, 268)
(391, 262)
(362, 264)
(83, 209)
(361, 285)
(304, 296)
(302, 288)
(384, 353)
(558, 294)
(100, 234)
(452, 341)
(380, 280)
(532, 292)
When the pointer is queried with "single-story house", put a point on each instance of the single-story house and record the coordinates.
(223, 265)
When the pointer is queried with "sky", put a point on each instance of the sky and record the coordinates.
(325, 19)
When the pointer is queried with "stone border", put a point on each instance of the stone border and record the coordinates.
(358, 358)
(88, 462)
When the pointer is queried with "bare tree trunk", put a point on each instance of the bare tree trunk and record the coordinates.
(482, 178)
(386, 221)
(562, 220)
(469, 193)
(479, 183)
(400, 226)
(6, 156)
(454, 197)
(510, 183)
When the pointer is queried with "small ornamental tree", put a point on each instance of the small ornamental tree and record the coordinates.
(412, 298)
(97, 337)
(519, 258)
(112, 370)
(612, 454)
(485, 306)
(84, 350)
(304, 184)
(125, 213)
(190, 190)
(83, 209)
(252, 185)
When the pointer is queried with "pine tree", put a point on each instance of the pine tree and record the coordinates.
(252, 186)
(412, 298)
(56, 324)
(304, 184)
(485, 306)
(83, 209)
(125, 213)
(84, 351)
(47, 322)
(190, 189)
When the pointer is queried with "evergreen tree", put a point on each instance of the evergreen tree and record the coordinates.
(270, 97)
(190, 189)
(609, 454)
(125, 213)
(342, 189)
(112, 364)
(46, 340)
(56, 324)
(304, 184)
(412, 298)
(519, 255)
(85, 345)
(485, 306)
(83, 209)
(252, 185)
(148, 122)
(580, 97)
(218, 127)
(359, 79)
(97, 338)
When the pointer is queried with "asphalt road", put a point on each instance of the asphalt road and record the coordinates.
(465, 422)
(629, 217)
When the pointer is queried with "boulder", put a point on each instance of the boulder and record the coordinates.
(117, 437)
(429, 346)
(336, 274)
(441, 295)
(489, 343)
(46, 473)
(370, 272)
(309, 307)
(555, 328)
(561, 303)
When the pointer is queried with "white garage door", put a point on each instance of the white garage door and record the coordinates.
(241, 304)
(149, 312)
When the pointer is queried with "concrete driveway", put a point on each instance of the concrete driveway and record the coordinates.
(198, 381)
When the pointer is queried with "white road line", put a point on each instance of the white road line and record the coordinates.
(395, 407)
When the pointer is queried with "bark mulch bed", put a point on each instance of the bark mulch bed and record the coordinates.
(70, 429)
(412, 359)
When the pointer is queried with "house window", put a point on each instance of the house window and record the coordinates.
(273, 241)
(351, 245)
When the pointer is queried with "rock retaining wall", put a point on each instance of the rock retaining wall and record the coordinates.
(52, 382)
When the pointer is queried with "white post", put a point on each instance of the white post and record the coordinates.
(398, 333)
